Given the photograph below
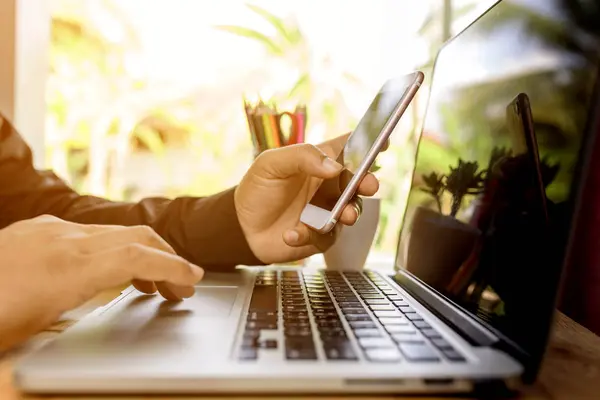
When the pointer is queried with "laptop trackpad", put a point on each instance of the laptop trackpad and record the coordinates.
(142, 312)
(216, 301)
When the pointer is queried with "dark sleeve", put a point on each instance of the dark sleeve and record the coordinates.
(205, 231)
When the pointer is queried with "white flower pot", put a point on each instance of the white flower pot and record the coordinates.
(353, 244)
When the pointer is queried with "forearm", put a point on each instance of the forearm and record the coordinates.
(205, 231)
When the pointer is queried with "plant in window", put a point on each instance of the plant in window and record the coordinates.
(435, 186)
(464, 179)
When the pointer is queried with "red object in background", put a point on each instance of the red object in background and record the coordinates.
(581, 287)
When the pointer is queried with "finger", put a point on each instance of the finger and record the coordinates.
(369, 185)
(302, 235)
(174, 292)
(386, 145)
(123, 264)
(351, 212)
(147, 287)
(296, 159)
(103, 238)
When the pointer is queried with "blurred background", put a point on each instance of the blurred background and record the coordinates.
(145, 98)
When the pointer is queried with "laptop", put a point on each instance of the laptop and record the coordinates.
(468, 305)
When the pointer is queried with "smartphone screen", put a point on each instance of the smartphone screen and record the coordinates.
(362, 139)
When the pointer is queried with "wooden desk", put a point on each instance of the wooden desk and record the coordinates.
(571, 369)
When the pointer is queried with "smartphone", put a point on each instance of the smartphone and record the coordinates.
(363, 146)
(520, 120)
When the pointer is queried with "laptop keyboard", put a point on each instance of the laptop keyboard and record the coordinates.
(338, 316)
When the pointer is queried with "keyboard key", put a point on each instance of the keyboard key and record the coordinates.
(296, 324)
(268, 344)
(251, 333)
(393, 321)
(318, 295)
(295, 307)
(329, 323)
(453, 355)
(327, 317)
(374, 342)
(430, 333)
(295, 315)
(345, 297)
(292, 293)
(355, 311)
(382, 308)
(405, 308)
(248, 354)
(387, 314)
(406, 328)
(262, 316)
(249, 342)
(321, 302)
(383, 355)
(413, 316)
(441, 344)
(261, 325)
(422, 324)
(319, 307)
(389, 291)
(294, 296)
(383, 286)
(418, 352)
(406, 337)
(355, 317)
(264, 298)
(346, 304)
(300, 349)
(400, 329)
(377, 302)
(294, 302)
(399, 302)
(394, 297)
(339, 350)
(366, 332)
(362, 324)
(293, 332)
(333, 334)
(373, 296)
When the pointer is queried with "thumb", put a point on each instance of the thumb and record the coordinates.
(302, 158)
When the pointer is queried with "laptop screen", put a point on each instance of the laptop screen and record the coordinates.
(489, 209)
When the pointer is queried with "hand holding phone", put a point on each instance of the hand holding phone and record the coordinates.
(364, 144)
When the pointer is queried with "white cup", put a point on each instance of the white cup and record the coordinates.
(353, 244)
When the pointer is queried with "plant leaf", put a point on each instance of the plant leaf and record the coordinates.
(277, 22)
(301, 87)
(151, 139)
(252, 34)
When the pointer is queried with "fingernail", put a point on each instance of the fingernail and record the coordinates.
(292, 236)
(331, 165)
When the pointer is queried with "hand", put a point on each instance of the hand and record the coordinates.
(277, 187)
(49, 266)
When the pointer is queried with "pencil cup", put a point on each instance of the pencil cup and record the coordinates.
(270, 129)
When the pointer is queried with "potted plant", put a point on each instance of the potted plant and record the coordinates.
(439, 243)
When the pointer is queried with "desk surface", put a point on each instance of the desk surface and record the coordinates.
(571, 369)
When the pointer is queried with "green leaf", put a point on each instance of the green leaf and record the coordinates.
(277, 22)
(151, 139)
(254, 35)
(301, 87)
